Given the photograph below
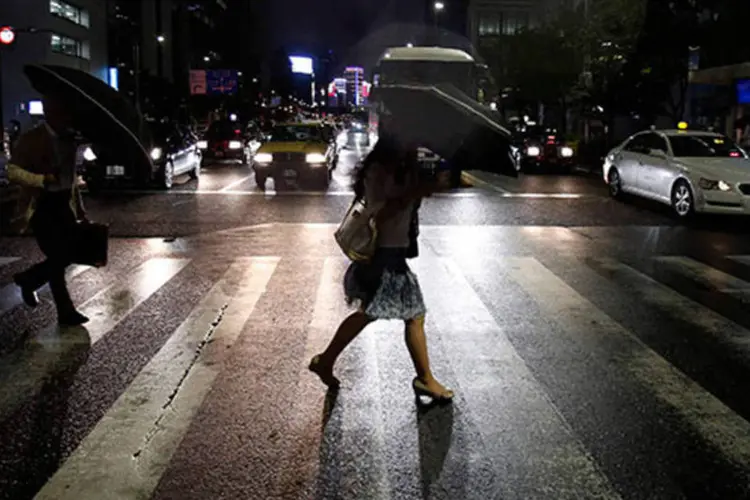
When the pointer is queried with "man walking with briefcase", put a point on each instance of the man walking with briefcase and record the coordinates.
(44, 164)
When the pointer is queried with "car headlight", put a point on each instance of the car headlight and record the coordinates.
(315, 158)
(710, 184)
(156, 154)
(202, 144)
(235, 145)
(264, 158)
(566, 152)
(88, 155)
(533, 151)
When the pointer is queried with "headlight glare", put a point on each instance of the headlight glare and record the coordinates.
(235, 145)
(724, 186)
(315, 158)
(533, 151)
(156, 154)
(566, 152)
(264, 158)
(88, 155)
(202, 144)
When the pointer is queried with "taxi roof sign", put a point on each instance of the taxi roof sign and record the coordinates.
(682, 125)
(7, 35)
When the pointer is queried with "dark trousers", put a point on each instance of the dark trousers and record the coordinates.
(54, 226)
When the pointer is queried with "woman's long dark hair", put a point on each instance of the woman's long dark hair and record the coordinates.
(387, 151)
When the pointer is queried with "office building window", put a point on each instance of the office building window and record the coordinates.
(513, 22)
(489, 24)
(70, 12)
(506, 23)
(69, 46)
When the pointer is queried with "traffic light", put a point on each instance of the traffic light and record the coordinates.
(7, 35)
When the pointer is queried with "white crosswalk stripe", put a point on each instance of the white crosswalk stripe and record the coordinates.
(523, 433)
(126, 454)
(25, 372)
(707, 275)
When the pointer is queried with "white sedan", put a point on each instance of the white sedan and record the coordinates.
(689, 170)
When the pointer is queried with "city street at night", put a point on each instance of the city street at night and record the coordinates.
(598, 349)
(357, 250)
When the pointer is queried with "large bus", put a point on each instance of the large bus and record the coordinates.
(429, 66)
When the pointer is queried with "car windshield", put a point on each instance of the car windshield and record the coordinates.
(223, 130)
(295, 133)
(705, 146)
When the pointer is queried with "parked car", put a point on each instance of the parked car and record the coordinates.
(175, 152)
(691, 171)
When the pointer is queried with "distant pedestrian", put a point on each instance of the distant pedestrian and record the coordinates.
(385, 287)
(44, 165)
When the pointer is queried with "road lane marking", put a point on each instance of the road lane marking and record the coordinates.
(720, 426)
(553, 196)
(494, 380)
(126, 454)
(476, 181)
(707, 275)
(23, 372)
(270, 193)
(10, 295)
(235, 184)
(4, 261)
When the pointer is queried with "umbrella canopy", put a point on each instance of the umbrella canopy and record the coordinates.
(100, 113)
(450, 123)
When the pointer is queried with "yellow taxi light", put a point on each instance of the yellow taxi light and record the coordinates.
(682, 125)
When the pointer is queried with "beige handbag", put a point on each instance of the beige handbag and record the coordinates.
(357, 234)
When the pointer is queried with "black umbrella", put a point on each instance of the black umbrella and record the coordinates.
(100, 113)
(448, 122)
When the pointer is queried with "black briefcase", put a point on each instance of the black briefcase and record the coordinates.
(92, 244)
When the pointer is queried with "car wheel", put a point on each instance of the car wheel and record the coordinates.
(195, 174)
(260, 181)
(166, 176)
(683, 202)
(615, 183)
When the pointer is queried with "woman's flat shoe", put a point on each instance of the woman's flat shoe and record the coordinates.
(420, 389)
(326, 376)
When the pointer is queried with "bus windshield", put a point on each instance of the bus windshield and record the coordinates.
(459, 74)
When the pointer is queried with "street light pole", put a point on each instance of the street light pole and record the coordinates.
(137, 71)
(437, 8)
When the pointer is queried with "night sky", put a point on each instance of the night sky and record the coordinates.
(357, 30)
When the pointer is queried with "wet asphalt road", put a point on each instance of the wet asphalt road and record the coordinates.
(597, 349)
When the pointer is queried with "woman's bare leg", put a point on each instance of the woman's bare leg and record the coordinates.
(345, 334)
(417, 345)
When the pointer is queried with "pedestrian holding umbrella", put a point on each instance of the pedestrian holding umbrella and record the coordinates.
(445, 120)
(44, 165)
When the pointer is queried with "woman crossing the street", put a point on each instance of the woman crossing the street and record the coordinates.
(385, 287)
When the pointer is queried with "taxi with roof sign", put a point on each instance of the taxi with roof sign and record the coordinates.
(297, 153)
